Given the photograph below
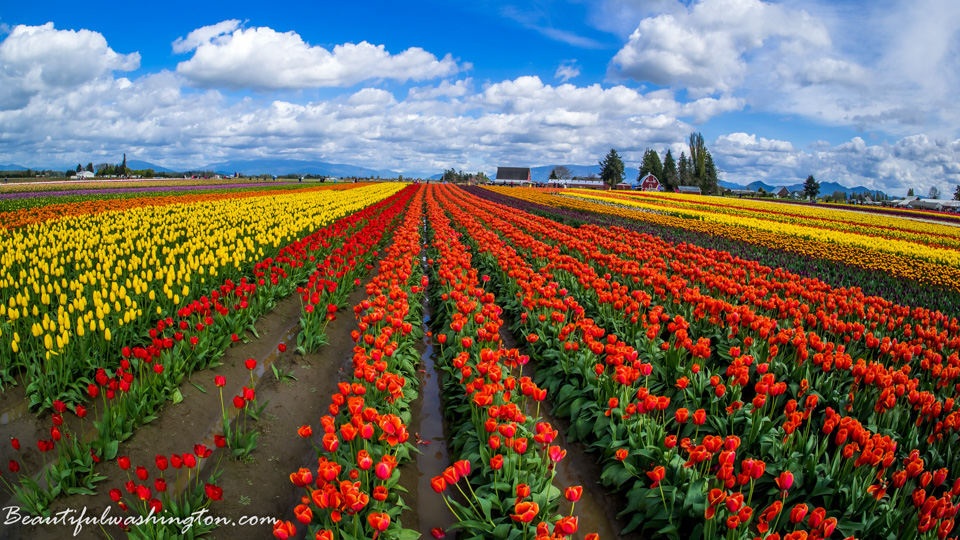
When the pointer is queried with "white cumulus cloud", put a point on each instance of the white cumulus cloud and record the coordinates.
(35, 59)
(712, 45)
(227, 56)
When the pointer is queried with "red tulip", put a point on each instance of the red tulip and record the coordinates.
(656, 475)
(439, 484)
(437, 532)
(379, 521)
(123, 462)
(798, 513)
(525, 511)
(573, 493)
(567, 525)
(250, 363)
(213, 492)
(785, 480)
(220, 380)
(283, 530)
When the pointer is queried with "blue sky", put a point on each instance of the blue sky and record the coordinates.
(856, 93)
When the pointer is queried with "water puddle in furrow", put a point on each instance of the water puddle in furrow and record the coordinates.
(15, 412)
(434, 459)
(263, 365)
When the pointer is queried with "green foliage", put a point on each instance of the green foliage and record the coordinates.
(651, 165)
(671, 177)
(611, 168)
(811, 188)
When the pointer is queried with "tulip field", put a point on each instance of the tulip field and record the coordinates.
(603, 364)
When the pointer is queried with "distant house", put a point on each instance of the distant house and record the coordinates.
(83, 175)
(782, 193)
(689, 190)
(513, 175)
(906, 200)
(649, 183)
(744, 193)
(587, 183)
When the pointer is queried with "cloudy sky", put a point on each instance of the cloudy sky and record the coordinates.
(861, 93)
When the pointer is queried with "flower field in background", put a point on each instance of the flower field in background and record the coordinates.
(70, 185)
(695, 368)
(939, 267)
(915, 239)
(90, 283)
(24, 211)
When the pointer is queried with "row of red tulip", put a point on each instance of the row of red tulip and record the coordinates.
(493, 408)
(353, 492)
(544, 311)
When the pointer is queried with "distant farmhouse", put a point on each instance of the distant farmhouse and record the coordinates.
(689, 190)
(516, 176)
(83, 175)
(587, 183)
(782, 193)
(650, 183)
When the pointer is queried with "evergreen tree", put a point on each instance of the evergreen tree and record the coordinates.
(553, 175)
(90, 167)
(698, 158)
(611, 169)
(651, 165)
(79, 167)
(683, 171)
(956, 194)
(709, 181)
(910, 192)
(811, 187)
(671, 177)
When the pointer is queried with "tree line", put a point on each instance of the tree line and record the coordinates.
(696, 169)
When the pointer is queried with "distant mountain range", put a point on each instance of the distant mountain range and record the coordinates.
(139, 165)
(291, 166)
(826, 188)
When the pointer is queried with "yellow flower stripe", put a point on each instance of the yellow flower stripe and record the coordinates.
(896, 246)
(871, 225)
(91, 276)
(866, 256)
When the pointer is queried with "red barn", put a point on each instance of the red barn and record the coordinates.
(649, 183)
